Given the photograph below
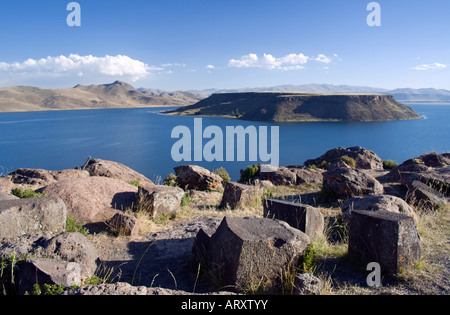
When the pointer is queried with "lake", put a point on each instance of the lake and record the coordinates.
(141, 138)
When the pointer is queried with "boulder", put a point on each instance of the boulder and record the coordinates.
(376, 203)
(279, 176)
(4, 197)
(364, 159)
(343, 183)
(198, 178)
(307, 284)
(6, 185)
(123, 225)
(110, 169)
(306, 218)
(435, 160)
(65, 248)
(160, 200)
(424, 196)
(438, 178)
(31, 216)
(42, 271)
(245, 250)
(39, 177)
(238, 195)
(307, 175)
(93, 199)
(387, 238)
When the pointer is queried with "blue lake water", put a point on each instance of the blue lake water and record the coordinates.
(141, 138)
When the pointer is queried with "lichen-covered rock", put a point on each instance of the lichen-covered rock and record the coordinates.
(158, 200)
(238, 195)
(376, 203)
(245, 250)
(199, 178)
(343, 183)
(30, 216)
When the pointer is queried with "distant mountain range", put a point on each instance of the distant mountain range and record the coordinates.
(406, 94)
(122, 95)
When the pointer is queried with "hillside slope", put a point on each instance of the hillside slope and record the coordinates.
(287, 107)
(114, 95)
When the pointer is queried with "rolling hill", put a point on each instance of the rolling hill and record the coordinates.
(114, 95)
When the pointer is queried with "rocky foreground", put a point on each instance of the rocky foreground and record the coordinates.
(104, 229)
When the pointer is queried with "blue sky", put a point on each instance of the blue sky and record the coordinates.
(199, 44)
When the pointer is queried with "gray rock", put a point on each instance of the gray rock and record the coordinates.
(387, 238)
(51, 254)
(425, 197)
(307, 175)
(39, 177)
(4, 197)
(343, 183)
(306, 218)
(307, 284)
(104, 168)
(42, 271)
(280, 176)
(245, 251)
(198, 178)
(31, 216)
(238, 195)
(376, 203)
(124, 225)
(158, 200)
(364, 159)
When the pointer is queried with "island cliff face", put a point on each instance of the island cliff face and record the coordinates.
(292, 107)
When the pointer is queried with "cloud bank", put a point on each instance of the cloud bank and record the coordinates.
(433, 66)
(74, 65)
(268, 61)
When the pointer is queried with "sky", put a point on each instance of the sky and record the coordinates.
(225, 44)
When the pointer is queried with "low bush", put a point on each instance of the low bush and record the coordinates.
(389, 165)
(26, 193)
(248, 174)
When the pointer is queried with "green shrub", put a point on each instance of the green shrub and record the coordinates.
(349, 161)
(26, 193)
(248, 174)
(223, 174)
(309, 260)
(135, 183)
(186, 200)
(312, 167)
(389, 165)
(323, 165)
(171, 180)
(73, 225)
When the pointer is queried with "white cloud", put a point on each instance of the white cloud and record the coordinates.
(74, 65)
(210, 67)
(433, 66)
(267, 61)
(323, 58)
(286, 63)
